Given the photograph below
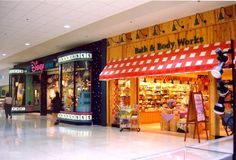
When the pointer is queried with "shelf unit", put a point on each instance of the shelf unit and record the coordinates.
(153, 95)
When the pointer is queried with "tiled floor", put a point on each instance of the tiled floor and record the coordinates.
(33, 137)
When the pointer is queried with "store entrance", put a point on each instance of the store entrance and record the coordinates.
(36, 92)
(164, 100)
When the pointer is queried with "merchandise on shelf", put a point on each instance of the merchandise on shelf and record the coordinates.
(121, 98)
(155, 94)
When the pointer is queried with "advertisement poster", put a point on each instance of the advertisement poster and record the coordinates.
(199, 107)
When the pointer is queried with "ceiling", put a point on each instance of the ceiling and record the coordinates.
(41, 23)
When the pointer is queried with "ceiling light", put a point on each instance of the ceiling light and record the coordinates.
(4, 54)
(27, 44)
(66, 26)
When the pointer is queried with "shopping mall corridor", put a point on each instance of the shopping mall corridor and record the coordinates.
(33, 137)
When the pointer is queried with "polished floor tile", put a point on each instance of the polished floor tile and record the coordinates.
(33, 137)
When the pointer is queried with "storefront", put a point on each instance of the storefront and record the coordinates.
(75, 74)
(44, 76)
(161, 82)
(75, 87)
(156, 67)
(40, 83)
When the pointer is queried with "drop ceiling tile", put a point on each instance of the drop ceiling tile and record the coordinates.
(55, 2)
(107, 1)
(59, 12)
(75, 4)
(4, 12)
(44, 20)
(127, 4)
(44, 9)
(75, 14)
(91, 6)
(27, 6)
(31, 17)
(8, 4)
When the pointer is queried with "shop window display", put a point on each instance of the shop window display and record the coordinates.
(155, 93)
(75, 87)
(121, 94)
(52, 87)
(83, 86)
(68, 86)
(18, 90)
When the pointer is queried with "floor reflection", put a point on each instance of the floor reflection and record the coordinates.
(31, 136)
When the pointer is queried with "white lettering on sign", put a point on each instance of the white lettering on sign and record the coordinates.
(35, 66)
(75, 56)
(16, 71)
(18, 109)
(82, 117)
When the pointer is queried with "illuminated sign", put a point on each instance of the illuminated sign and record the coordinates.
(76, 117)
(16, 71)
(37, 67)
(75, 56)
(18, 109)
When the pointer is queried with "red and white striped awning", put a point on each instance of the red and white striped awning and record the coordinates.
(191, 59)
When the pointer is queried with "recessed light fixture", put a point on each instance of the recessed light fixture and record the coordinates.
(27, 44)
(67, 26)
(4, 54)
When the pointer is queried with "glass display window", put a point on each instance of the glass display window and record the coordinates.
(83, 86)
(18, 90)
(121, 98)
(68, 86)
(124, 93)
(52, 87)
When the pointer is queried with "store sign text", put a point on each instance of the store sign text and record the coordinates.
(16, 71)
(37, 67)
(74, 57)
(170, 44)
(76, 117)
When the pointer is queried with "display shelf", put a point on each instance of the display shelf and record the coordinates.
(152, 96)
(121, 99)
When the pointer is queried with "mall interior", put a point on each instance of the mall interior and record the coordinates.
(138, 79)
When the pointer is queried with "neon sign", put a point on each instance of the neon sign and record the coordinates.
(37, 67)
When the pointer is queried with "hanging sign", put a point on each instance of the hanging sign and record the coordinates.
(37, 67)
(81, 56)
(17, 71)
